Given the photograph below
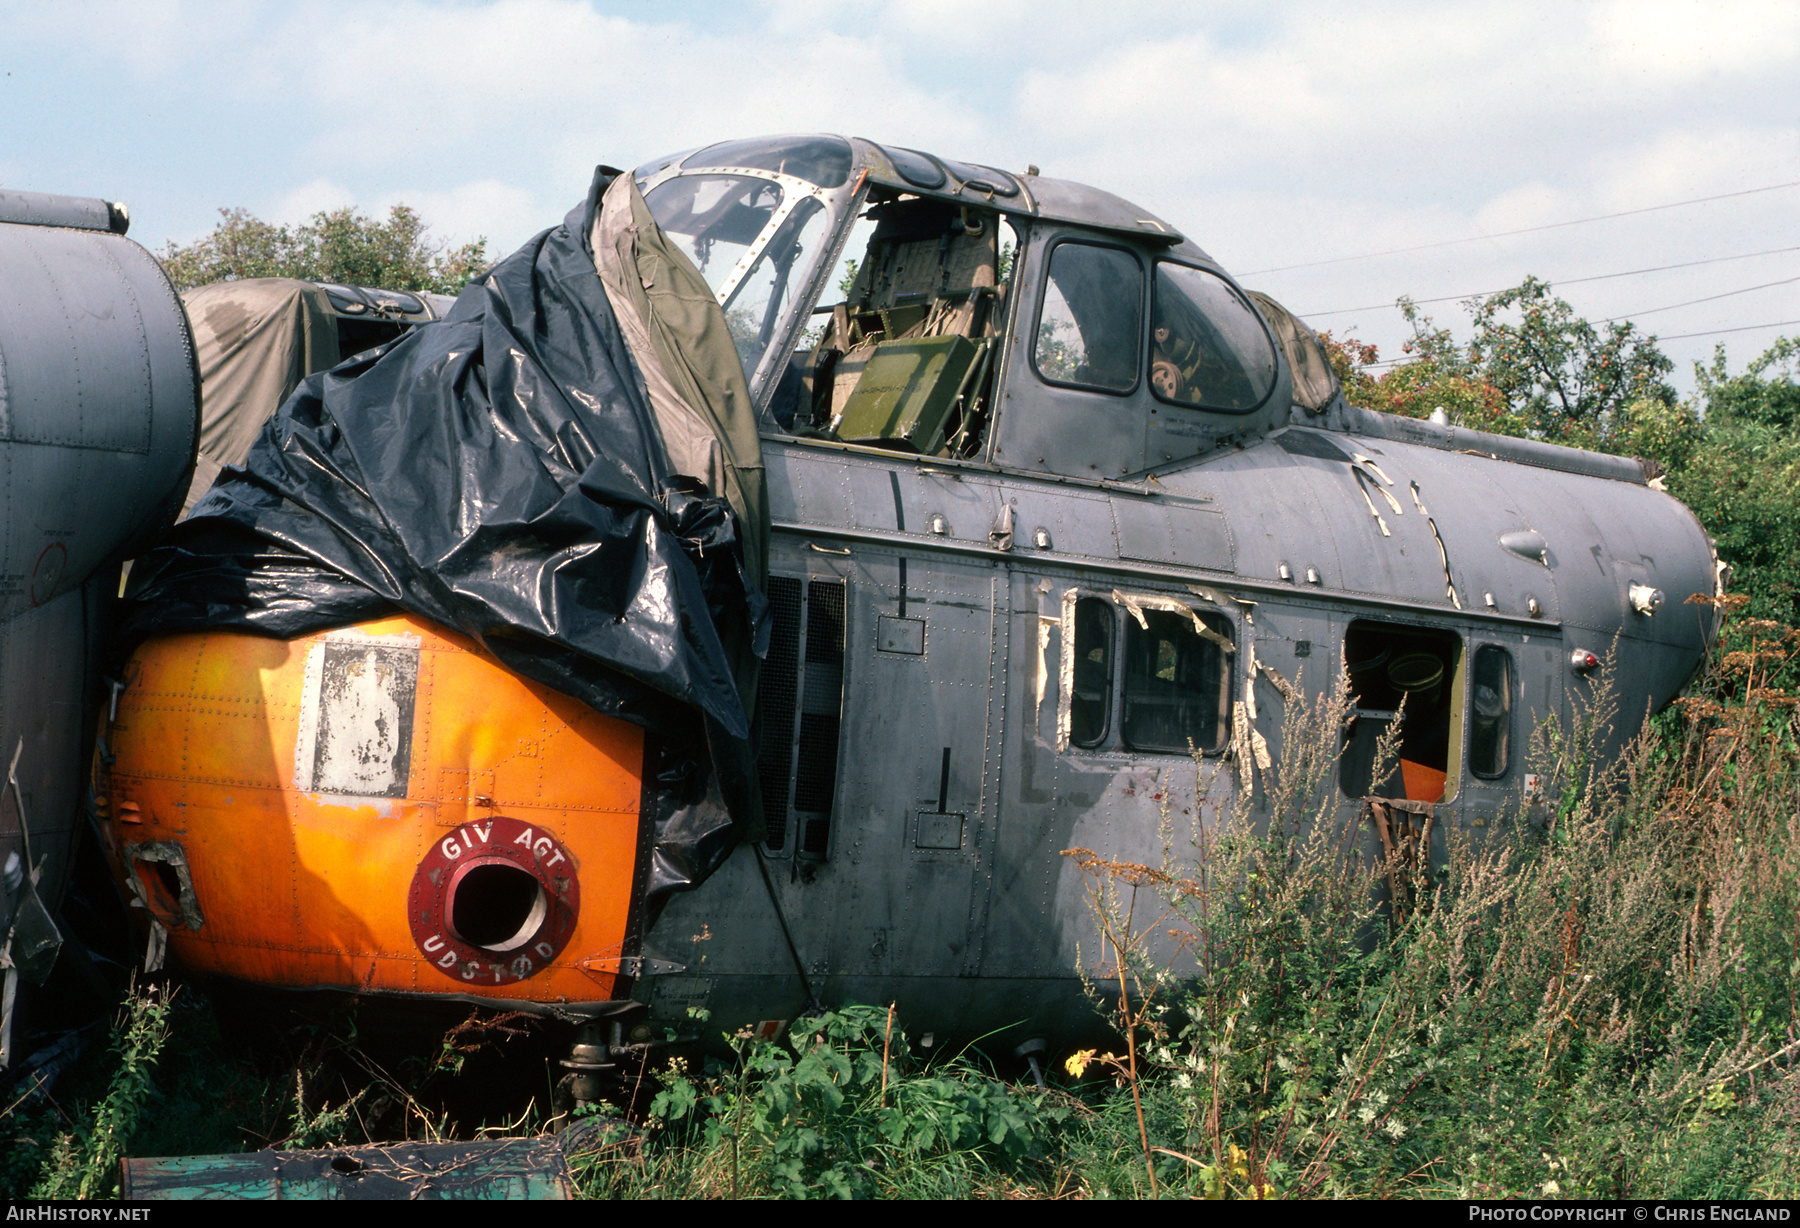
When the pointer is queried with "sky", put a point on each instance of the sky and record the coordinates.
(1336, 156)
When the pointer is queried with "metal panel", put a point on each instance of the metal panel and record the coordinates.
(1184, 536)
(492, 1169)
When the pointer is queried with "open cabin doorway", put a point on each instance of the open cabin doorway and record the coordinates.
(1411, 677)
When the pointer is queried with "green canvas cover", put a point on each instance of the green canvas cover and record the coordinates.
(254, 341)
(680, 341)
(678, 337)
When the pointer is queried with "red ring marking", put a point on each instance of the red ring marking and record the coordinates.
(486, 842)
(56, 572)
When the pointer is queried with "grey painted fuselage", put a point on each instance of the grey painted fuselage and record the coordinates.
(98, 411)
(929, 743)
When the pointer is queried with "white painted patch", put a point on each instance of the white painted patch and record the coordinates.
(356, 717)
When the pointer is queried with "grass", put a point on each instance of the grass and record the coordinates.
(1600, 1004)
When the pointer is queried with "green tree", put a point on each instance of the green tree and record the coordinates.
(1569, 381)
(1768, 392)
(341, 245)
(1741, 472)
(1350, 360)
(1436, 375)
(1533, 368)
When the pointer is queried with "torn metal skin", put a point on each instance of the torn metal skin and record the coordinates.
(1136, 603)
(1443, 550)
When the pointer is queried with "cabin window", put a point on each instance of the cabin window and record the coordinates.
(1410, 677)
(1090, 320)
(1090, 700)
(1208, 347)
(1177, 694)
(1490, 715)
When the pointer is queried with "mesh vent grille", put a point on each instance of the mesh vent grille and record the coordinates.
(817, 778)
(800, 710)
(825, 623)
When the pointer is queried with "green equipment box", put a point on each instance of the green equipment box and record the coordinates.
(907, 393)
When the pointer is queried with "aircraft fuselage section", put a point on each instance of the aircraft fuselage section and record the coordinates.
(956, 782)
(1064, 523)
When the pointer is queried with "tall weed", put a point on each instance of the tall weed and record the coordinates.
(1599, 1003)
(84, 1159)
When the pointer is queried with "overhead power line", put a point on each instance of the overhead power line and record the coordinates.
(1507, 234)
(1566, 281)
(1710, 332)
(1650, 311)
(1742, 328)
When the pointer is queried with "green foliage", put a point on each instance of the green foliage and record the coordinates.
(342, 246)
(1568, 380)
(1059, 354)
(1767, 393)
(1350, 360)
(1532, 368)
(847, 283)
(1740, 483)
(1741, 472)
(1440, 375)
(84, 1159)
(838, 1111)
(1436, 376)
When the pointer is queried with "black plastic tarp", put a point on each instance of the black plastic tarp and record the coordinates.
(501, 473)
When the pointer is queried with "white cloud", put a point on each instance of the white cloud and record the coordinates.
(1527, 204)
(1682, 162)
(500, 212)
(1274, 134)
(298, 204)
(1679, 40)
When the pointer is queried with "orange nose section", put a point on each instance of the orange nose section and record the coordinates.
(382, 808)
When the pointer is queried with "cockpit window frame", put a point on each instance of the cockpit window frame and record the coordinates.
(978, 310)
(803, 150)
(839, 203)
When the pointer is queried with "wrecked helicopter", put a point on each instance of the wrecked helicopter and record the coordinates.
(743, 595)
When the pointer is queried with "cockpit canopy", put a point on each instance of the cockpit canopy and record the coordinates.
(883, 296)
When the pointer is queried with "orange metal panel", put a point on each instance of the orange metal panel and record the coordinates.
(1423, 784)
(269, 773)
